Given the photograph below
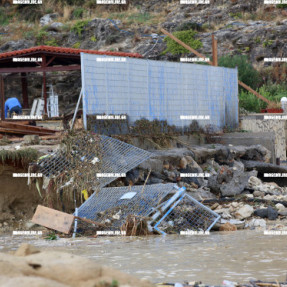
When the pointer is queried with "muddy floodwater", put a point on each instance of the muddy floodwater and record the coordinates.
(237, 256)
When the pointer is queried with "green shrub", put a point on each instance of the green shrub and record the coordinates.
(78, 13)
(49, 11)
(51, 42)
(78, 28)
(77, 45)
(185, 36)
(93, 39)
(30, 13)
(250, 102)
(91, 4)
(4, 18)
(267, 43)
(273, 92)
(246, 73)
(28, 35)
(283, 6)
(66, 27)
(138, 18)
(237, 15)
(41, 37)
(257, 40)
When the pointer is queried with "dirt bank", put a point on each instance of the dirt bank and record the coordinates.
(18, 201)
(32, 268)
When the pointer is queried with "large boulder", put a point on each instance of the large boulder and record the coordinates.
(16, 45)
(244, 212)
(51, 268)
(48, 18)
(237, 184)
(230, 181)
(269, 213)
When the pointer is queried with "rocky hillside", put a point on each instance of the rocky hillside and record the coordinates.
(244, 27)
(241, 27)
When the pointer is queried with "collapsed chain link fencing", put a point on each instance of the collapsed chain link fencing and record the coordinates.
(186, 214)
(112, 205)
(116, 157)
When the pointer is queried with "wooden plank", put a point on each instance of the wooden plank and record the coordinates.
(20, 122)
(23, 132)
(214, 51)
(21, 126)
(28, 128)
(90, 221)
(254, 92)
(53, 219)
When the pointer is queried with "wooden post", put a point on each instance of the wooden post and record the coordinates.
(2, 98)
(254, 92)
(214, 51)
(24, 90)
(44, 84)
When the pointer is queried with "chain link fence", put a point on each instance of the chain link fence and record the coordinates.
(113, 157)
(186, 214)
(111, 206)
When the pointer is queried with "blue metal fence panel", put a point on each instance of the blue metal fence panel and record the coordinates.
(159, 90)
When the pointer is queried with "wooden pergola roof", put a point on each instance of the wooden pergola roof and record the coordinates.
(51, 59)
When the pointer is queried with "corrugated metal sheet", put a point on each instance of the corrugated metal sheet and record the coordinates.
(160, 90)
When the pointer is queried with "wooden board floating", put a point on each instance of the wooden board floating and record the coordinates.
(53, 219)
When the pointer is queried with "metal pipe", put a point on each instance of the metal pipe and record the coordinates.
(76, 110)
(178, 194)
(75, 223)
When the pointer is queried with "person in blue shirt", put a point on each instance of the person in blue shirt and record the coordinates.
(13, 105)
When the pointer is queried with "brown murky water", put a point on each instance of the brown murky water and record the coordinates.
(236, 256)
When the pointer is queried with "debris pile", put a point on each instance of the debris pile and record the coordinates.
(224, 180)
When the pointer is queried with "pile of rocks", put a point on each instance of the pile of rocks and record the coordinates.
(228, 178)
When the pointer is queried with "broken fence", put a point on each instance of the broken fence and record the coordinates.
(186, 214)
(117, 157)
(179, 212)
(114, 204)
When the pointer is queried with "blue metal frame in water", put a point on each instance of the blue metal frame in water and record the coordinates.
(198, 214)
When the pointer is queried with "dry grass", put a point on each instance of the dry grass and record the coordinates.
(20, 157)
(67, 13)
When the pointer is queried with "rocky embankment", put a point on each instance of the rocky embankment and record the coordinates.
(234, 185)
(230, 180)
